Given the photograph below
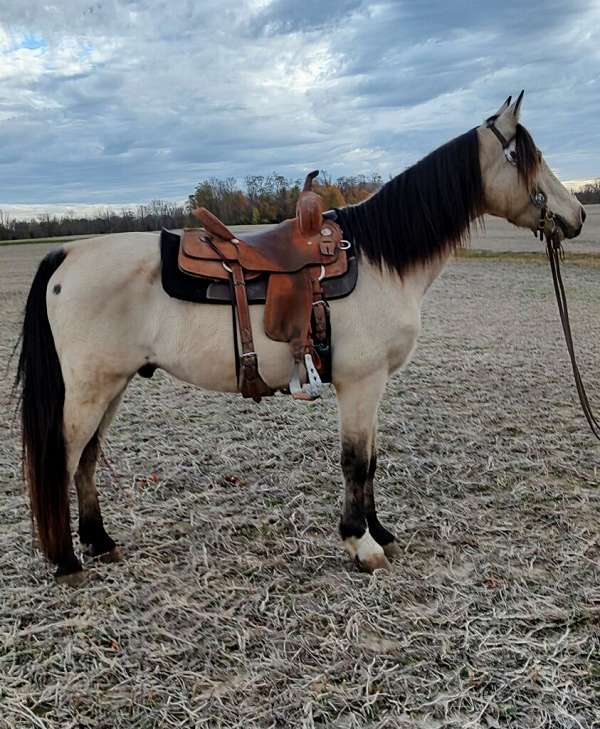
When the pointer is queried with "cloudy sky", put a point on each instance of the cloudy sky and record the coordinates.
(123, 101)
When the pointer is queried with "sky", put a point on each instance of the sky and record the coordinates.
(117, 102)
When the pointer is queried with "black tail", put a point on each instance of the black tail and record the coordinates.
(43, 394)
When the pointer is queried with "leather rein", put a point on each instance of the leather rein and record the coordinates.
(548, 228)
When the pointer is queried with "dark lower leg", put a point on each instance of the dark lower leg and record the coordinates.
(379, 533)
(91, 528)
(354, 467)
(68, 566)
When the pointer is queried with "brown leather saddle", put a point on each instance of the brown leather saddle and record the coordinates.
(297, 255)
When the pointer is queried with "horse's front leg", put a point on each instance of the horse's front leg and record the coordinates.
(379, 533)
(358, 403)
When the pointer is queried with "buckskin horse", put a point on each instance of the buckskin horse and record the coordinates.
(98, 313)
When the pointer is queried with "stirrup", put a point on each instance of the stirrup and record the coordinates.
(313, 388)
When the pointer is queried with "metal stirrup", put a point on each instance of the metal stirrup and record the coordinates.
(313, 388)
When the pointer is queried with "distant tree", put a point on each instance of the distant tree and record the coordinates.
(590, 193)
(332, 196)
(356, 189)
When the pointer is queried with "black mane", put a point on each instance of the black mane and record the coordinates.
(528, 156)
(423, 212)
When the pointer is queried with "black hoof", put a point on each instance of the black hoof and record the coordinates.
(70, 572)
(99, 547)
(115, 555)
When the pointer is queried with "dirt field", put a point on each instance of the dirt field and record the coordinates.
(235, 605)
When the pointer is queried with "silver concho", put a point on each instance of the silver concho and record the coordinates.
(538, 199)
(326, 231)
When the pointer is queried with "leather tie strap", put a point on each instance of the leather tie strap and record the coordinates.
(319, 315)
(250, 382)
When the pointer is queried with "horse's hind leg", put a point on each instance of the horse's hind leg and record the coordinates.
(92, 533)
(84, 409)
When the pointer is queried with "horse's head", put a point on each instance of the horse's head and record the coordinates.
(518, 184)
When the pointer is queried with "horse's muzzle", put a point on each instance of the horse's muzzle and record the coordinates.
(568, 230)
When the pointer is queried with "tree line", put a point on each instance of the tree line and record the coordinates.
(260, 199)
(589, 193)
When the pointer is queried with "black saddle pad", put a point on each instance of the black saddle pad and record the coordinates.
(181, 285)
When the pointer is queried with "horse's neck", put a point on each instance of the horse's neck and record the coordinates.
(415, 282)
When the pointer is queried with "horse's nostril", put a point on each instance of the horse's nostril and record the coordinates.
(583, 215)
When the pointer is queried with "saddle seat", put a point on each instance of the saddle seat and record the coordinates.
(296, 255)
(283, 249)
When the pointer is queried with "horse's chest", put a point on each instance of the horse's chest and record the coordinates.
(401, 346)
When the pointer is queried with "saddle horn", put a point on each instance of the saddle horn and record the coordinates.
(308, 182)
(309, 209)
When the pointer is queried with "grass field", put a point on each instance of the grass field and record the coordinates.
(235, 605)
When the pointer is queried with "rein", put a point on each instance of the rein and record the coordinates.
(548, 228)
(555, 254)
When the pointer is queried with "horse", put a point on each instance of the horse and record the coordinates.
(97, 314)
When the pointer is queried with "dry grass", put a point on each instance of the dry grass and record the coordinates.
(575, 259)
(235, 606)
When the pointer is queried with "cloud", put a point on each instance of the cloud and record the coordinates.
(121, 100)
(289, 16)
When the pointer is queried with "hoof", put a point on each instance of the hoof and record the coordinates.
(374, 562)
(115, 555)
(100, 549)
(72, 579)
(368, 555)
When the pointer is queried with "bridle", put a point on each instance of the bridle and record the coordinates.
(537, 197)
(548, 228)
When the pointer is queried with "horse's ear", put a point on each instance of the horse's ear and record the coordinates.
(516, 107)
(502, 109)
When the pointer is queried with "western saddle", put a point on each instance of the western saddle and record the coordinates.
(296, 255)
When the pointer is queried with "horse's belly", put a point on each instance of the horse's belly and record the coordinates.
(195, 343)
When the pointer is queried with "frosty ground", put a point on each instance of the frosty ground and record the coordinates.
(235, 605)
